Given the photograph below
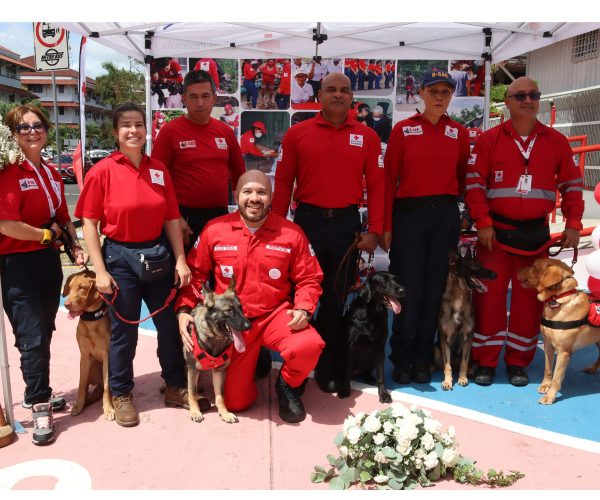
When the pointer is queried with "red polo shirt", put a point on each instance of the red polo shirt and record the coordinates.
(23, 198)
(210, 66)
(284, 84)
(267, 265)
(249, 72)
(268, 73)
(132, 204)
(328, 165)
(200, 159)
(423, 159)
(248, 144)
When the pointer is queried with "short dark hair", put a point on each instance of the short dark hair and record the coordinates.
(198, 76)
(123, 108)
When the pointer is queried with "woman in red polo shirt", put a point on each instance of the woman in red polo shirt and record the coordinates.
(132, 197)
(32, 197)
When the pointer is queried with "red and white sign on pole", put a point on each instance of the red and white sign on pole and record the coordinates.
(51, 45)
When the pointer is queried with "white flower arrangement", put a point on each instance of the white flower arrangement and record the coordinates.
(10, 151)
(398, 448)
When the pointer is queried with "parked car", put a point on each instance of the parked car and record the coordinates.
(97, 154)
(66, 165)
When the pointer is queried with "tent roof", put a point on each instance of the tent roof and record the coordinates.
(411, 40)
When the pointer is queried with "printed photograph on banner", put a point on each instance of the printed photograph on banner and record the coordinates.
(402, 115)
(467, 111)
(227, 110)
(376, 113)
(166, 82)
(160, 117)
(261, 138)
(265, 83)
(370, 76)
(410, 74)
(224, 72)
(468, 76)
(307, 75)
(300, 116)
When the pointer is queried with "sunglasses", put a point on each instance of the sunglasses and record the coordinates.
(521, 96)
(25, 129)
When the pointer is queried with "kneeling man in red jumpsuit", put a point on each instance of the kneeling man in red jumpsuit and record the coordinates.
(270, 258)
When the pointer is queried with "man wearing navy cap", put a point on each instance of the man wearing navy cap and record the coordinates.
(425, 166)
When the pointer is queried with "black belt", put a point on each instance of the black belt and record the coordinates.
(434, 201)
(540, 221)
(141, 244)
(326, 213)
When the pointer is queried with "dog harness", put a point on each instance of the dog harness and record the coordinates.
(94, 315)
(208, 362)
(592, 318)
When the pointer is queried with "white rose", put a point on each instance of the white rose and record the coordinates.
(349, 422)
(388, 427)
(353, 434)
(431, 425)
(381, 479)
(380, 457)
(343, 451)
(413, 419)
(450, 457)
(399, 410)
(426, 412)
(378, 438)
(403, 447)
(359, 417)
(12, 156)
(427, 441)
(372, 424)
(419, 454)
(451, 431)
(431, 460)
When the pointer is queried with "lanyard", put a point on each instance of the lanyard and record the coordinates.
(55, 188)
(524, 153)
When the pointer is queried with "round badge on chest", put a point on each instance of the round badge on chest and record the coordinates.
(274, 274)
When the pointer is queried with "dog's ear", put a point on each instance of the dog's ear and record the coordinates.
(365, 292)
(555, 272)
(67, 287)
(231, 286)
(209, 296)
(453, 256)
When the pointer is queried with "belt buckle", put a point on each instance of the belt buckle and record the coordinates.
(328, 213)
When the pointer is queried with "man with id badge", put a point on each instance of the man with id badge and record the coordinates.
(512, 178)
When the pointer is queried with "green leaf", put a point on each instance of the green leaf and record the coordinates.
(439, 450)
(318, 468)
(369, 463)
(317, 477)
(434, 474)
(411, 484)
(339, 439)
(337, 483)
(389, 452)
(395, 484)
(332, 460)
(365, 476)
(330, 474)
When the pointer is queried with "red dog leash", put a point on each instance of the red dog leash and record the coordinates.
(552, 242)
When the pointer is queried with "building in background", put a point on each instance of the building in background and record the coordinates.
(11, 69)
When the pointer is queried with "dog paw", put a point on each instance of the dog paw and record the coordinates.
(543, 389)
(447, 386)
(463, 381)
(228, 417)
(385, 397)
(109, 414)
(547, 400)
(77, 409)
(196, 416)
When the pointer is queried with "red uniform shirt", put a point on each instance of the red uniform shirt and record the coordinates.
(285, 82)
(132, 204)
(200, 159)
(249, 72)
(266, 264)
(328, 165)
(362, 65)
(173, 74)
(26, 196)
(268, 73)
(497, 164)
(248, 144)
(352, 64)
(389, 67)
(423, 159)
(210, 66)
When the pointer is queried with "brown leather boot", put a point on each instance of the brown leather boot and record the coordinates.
(177, 397)
(6, 431)
(125, 413)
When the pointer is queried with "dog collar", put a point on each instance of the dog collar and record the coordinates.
(95, 315)
(564, 325)
(207, 361)
(554, 298)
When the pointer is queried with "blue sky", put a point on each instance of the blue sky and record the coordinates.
(18, 37)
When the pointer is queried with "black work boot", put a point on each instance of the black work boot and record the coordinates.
(291, 408)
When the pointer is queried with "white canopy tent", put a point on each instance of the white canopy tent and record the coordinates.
(493, 42)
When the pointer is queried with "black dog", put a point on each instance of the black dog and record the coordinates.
(456, 319)
(364, 332)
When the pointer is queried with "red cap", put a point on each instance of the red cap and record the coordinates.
(260, 125)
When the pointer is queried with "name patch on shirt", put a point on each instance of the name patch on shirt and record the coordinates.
(227, 271)
(221, 142)
(380, 161)
(157, 177)
(187, 144)
(356, 140)
(204, 65)
(451, 132)
(251, 140)
(279, 249)
(225, 248)
(28, 184)
(472, 159)
(418, 130)
(499, 175)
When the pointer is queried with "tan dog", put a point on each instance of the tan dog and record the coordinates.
(93, 337)
(556, 287)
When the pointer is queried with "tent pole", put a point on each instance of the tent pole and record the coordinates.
(488, 77)
(4, 369)
(148, 60)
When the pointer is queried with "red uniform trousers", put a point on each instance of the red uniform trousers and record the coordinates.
(491, 329)
(300, 350)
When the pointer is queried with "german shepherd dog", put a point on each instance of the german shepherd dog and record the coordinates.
(456, 319)
(364, 332)
(218, 324)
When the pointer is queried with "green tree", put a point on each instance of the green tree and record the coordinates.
(119, 85)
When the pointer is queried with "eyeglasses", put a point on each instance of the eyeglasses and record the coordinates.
(444, 94)
(521, 96)
(24, 128)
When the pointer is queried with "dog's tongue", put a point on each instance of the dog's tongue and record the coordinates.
(238, 341)
(394, 305)
(73, 315)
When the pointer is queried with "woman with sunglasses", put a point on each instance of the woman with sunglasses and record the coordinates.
(32, 210)
(132, 198)
(513, 175)
(425, 162)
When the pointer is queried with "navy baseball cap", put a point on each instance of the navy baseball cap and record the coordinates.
(436, 75)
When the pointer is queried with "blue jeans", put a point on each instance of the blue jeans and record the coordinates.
(123, 341)
(250, 86)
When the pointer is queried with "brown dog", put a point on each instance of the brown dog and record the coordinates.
(93, 337)
(556, 288)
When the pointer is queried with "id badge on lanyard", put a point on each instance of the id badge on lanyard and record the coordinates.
(525, 180)
(55, 188)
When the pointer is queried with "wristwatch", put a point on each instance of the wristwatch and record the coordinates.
(48, 237)
(307, 314)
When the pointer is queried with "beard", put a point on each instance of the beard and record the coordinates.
(257, 215)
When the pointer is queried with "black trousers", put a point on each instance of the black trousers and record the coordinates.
(330, 238)
(197, 218)
(31, 286)
(421, 240)
(123, 341)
